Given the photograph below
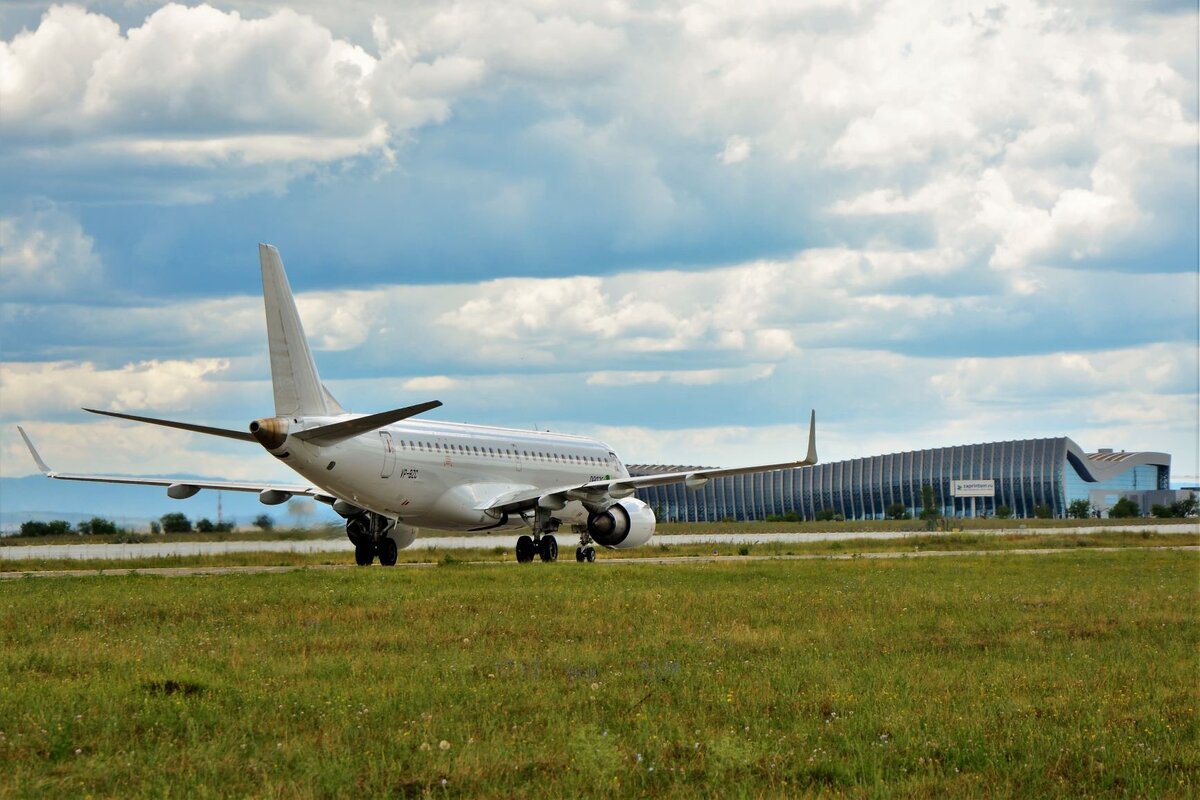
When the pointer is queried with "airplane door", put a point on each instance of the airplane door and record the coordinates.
(516, 456)
(389, 455)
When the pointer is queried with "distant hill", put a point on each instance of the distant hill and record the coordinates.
(38, 498)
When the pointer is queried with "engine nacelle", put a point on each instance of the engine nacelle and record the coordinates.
(403, 535)
(625, 524)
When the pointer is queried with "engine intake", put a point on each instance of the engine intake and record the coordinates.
(625, 524)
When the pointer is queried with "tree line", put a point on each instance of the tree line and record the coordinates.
(174, 522)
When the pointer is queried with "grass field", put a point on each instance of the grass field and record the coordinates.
(1016, 676)
(663, 528)
(660, 546)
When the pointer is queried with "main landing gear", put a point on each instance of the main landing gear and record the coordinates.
(542, 544)
(369, 533)
(544, 547)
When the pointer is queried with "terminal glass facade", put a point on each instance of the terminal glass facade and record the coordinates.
(1028, 473)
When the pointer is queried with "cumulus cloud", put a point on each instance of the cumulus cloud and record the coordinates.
(202, 88)
(1163, 368)
(691, 377)
(47, 387)
(891, 186)
(737, 149)
(45, 253)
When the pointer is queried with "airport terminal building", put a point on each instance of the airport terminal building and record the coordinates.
(970, 480)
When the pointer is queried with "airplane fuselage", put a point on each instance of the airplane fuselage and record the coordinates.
(439, 474)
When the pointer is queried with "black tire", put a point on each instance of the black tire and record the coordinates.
(579, 555)
(590, 554)
(364, 554)
(548, 548)
(525, 549)
(388, 552)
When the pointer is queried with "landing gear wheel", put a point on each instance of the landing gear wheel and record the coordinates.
(364, 554)
(579, 556)
(388, 552)
(589, 554)
(525, 549)
(548, 548)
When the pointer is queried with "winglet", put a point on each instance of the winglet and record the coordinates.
(811, 458)
(33, 452)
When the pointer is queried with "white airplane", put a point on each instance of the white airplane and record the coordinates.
(387, 474)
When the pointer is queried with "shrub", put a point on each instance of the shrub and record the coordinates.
(1079, 509)
(175, 523)
(825, 515)
(56, 527)
(897, 511)
(98, 526)
(1185, 508)
(204, 525)
(1043, 511)
(1124, 509)
(264, 522)
(1003, 512)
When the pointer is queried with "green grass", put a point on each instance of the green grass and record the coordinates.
(965, 541)
(664, 528)
(1015, 677)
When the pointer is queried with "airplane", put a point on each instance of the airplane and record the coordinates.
(388, 474)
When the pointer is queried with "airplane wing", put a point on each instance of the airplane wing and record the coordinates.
(601, 493)
(180, 488)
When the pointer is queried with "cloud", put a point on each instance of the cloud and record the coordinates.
(694, 377)
(499, 202)
(1158, 368)
(431, 383)
(45, 253)
(204, 89)
(46, 387)
(737, 149)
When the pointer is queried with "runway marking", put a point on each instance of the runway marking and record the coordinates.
(182, 572)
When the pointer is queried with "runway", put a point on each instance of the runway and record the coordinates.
(183, 572)
(87, 552)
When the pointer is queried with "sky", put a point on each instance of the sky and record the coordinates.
(675, 226)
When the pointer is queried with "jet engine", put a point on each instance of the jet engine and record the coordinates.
(403, 535)
(625, 524)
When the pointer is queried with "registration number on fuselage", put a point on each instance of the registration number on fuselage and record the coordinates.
(409, 473)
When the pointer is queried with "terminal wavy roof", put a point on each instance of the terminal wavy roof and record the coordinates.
(1105, 465)
(1095, 467)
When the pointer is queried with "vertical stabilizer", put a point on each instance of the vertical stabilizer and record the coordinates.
(298, 389)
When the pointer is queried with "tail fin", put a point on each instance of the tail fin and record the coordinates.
(298, 388)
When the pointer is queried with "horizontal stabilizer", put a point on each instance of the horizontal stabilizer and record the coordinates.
(341, 431)
(183, 426)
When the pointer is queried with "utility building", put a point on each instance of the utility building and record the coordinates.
(970, 480)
